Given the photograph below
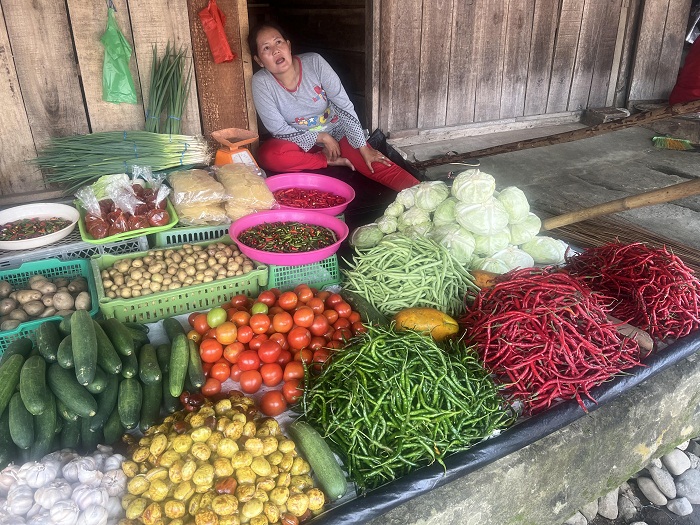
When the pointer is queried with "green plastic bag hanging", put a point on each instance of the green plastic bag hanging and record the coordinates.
(117, 83)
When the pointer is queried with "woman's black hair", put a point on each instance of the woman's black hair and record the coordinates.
(253, 35)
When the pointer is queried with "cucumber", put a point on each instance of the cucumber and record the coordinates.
(21, 423)
(163, 354)
(84, 339)
(170, 403)
(107, 356)
(106, 401)
(130, 365)
(32, 385)
(149, 370)
(113, 429)
(45, 425)
(179, 358)
(64, 356)
(368, 312)
(140, 338)
(65, 412)
(8, 450)
(150, 408)
(129, 402)
(22, 346)
(64, 325)
(70, 433)
(173, 328)
(99, 383)
(89, 439)
(136, 326)
(316, 451)
(66, 388)
(194, 367)
(9, 379)
(119, 335)
(47, 340)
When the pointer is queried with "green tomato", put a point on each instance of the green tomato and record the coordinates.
(258, 308)
(216, 316)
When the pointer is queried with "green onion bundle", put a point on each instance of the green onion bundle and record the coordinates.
(168, 90)
(82, 159)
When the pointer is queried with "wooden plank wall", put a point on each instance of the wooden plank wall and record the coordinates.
(51, 76)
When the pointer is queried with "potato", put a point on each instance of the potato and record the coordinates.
(63, 301)
(50, 310)
(64, 313)
(24, 296)
(19, 315)
(77, 285)
(43, 286)
(47, 299)
(33, 308)
(5, 289)
(9, 325)
(7, 305)
(61, 281)
(36, 278)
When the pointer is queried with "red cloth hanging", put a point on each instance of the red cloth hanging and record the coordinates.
(213, 20)
(687, 86)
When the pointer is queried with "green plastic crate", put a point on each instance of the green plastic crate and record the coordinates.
(52, 269)
(190, 235)
(167, 303)
(316, 275)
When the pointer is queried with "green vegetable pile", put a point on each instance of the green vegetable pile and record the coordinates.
(392, 402)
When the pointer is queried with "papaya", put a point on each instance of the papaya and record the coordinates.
(484, 279)
(430, 321)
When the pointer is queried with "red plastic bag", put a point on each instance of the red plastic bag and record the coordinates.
(213, 21)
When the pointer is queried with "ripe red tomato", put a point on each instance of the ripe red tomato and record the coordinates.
(304, 316)
(240, 318)
(341, 334)
(282, 322)
(232, 351)
(287, 300)
(320, 325)
(190, 318)
(235, 372)
(304, 356)
(211, 387)
(274, 310)
(292, 391)
(334, 344)
(248, 360)
(271, 374)
(317, 342)
(304, 293)
(256, 341)
(331, 315)
(267, 297)
(269, 351)
(206, 367)
(293, 370)
(358, 328)
(317, 305)
(323, 295)
(284, 358)
(276, 291)
(260, 323)
(220, 371)
(250, 381)
(342, 322)
(298, 338)
(321, 356)
(245, 334)
(240, 300)
(344, 309)
(226, 333)
(354, 317)
(200, 324)
(280, 339)
(210, 350)
(333, 299)
(273, 403)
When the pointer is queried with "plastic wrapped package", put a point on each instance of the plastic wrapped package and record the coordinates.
(202, 214)
(195, 186)
(246, 190)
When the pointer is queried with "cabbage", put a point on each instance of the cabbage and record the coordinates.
(387, 224)
(406, 198)
(489, 264)
(485, 218)
(514, 258)
(521, 232)
(394, 209)
(445, 212)
(430, 194)
(414, 216)
(367, 236)
(419, 230)
(515, 203)
(489, 244)
(473, 186)
(458, 241)
(545, 250)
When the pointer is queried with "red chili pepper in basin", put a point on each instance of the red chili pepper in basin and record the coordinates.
(287, 237)
(307, 198)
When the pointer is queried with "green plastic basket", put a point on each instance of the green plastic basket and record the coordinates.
(52, 269)
(168, 303)
(190, 234)
(316, 275)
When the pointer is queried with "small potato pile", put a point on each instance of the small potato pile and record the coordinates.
(169, 269)
(218, 465)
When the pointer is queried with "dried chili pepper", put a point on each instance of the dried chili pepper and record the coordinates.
(307, 198)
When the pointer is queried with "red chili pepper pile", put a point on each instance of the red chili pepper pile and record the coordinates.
(652, 288)
(307, 198)
(545, 334)
(287, 237)
(31, 228)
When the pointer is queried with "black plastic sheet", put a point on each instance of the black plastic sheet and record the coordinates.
(379, 501)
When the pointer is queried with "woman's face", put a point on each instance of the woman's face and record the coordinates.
(274, 52)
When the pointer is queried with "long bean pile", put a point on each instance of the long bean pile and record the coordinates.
(652, 288)
(392, 402)
(545, 334)
(403, 272)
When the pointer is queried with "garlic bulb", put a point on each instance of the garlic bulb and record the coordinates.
(114, 482)
(38, 474)
(64, 513)
(85, 495)
(93, 515)
(49, 494)
(20, 500)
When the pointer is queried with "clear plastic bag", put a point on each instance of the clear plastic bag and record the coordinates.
(202, 214)
(245, 189)
(195, 186)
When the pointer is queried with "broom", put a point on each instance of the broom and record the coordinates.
(675, 144)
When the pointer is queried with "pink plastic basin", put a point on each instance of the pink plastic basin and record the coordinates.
(289, 259)
(312, 181)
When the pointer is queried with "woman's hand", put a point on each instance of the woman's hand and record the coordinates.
(372, 155)
(331, 148)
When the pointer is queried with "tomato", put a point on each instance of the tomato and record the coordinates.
(267, 297)
(232, 351)
(276, 291)
(245, 334)
(316, 305)
(305, 294)
(274, 310)
(206, 367)
(304, 316)
(284, 358)
(210, 350)
(287, 300)
(323, 295)
(282, 322)
(259, 323)
(320, 325)
(269, 351)
(317, 342)
(248, 360)
(341, 334)
(354, 317)
(257, 341)
(226, 333)
(271, 374)
(331, 315)
(194, 335)
(211, 387)
(298, 338)
(190, 318)
(250, 381)
(341, 323)
(216, 316)
(228, 306)
(291, 390)
(236, 372)
(344, 309)
(273, 403)
(220, 371)
(240, 318)
(333, 299)
(280, 339)
(293, 370)
(334, 344)
(304, 356)
(240, 300)
(200, 323)
(329, 332)
(321, 356)
(259, 308)
(358, 328)
(211, 334)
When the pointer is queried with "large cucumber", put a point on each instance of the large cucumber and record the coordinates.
(22, 346)
(170, 403)
(70, 433)
(150, 408)
(119, 335)
(65, 412)
(8, 450)
(149, 370)
(47, 340)
(45, 425)
(113, 429)
(107, 356)
(64, 325)
(9, 378)
(84, 339)
(173, 328)
(163, 354)
(195, 370)
(64, 355)
(89, 439)
(106, 401)
(99, 383)
(319, 455)
(21, 423)
(32, 385)
(66, 388)
(130, 365)
(179, 360)
(129, 402)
